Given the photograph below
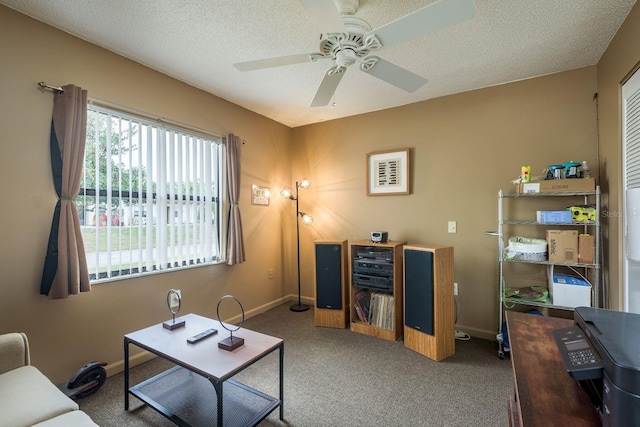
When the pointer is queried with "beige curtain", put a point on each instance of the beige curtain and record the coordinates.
(235, 240)
(65, 270)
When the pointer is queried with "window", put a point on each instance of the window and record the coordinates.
(631, 195)
(149, 198)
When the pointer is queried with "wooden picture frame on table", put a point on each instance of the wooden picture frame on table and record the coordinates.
(388, 172)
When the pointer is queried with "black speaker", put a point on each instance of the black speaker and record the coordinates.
(329, 276)
(418, 290)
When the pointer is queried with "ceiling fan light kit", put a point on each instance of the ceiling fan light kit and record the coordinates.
(351, 40)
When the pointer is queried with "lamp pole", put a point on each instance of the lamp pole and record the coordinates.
(299, 307)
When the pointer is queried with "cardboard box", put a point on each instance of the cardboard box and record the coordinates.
(554, 217)
(586, 249)
(569, 291)
(557, 185)
(562, 245)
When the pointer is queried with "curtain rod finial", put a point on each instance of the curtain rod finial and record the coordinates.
(58, 89)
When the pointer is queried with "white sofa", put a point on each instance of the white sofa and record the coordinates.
(27, 397)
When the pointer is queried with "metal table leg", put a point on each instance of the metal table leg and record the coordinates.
(126, 374)
(218, 385)
(282, 381)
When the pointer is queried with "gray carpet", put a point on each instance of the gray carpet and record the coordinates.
(336, 377)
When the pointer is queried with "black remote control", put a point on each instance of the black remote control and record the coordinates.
(202, 335)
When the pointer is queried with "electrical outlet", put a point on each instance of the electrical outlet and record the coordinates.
(452, 227)
(455, 288)
(270, 273)
(174, 302)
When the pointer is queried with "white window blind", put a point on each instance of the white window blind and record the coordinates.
(632, 141)
(149, 200)
(631, 195)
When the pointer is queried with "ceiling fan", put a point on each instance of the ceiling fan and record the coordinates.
(347, 39)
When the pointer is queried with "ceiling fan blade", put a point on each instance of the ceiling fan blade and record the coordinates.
(259, 64)
(325, 15)
(397, 76)
(424, 21)
(328, 86)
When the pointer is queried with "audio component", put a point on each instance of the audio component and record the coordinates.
(379, 236)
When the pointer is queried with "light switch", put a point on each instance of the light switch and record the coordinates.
(453, 227)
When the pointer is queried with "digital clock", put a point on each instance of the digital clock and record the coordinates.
(379, 236)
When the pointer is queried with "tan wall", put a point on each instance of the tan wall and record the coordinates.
(66, 334)
(464, 148)
(620, 59)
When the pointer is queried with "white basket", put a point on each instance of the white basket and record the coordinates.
(526, 248)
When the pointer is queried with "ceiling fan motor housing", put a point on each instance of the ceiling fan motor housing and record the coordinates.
(345, 47)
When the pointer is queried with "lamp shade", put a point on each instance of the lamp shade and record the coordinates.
(285, 192)
(307, 219)
(304, 183)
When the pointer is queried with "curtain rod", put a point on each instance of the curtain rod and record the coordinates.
(58, 89)
(126, 110)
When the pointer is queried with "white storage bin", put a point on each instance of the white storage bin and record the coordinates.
(526, 248)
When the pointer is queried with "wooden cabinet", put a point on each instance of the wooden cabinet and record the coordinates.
(376, 288)
(544, 394)
(429, 313)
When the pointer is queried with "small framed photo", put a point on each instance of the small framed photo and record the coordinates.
(388, 172)
(260, 195)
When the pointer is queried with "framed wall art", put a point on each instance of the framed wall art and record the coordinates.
(388, 172)
(260, 195)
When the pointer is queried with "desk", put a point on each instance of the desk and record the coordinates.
(545, 394)
(186, 398)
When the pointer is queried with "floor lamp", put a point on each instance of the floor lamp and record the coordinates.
(306, 220)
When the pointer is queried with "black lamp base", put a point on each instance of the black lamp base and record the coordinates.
(299, 307)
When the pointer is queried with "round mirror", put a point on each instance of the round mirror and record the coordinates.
(173, 301)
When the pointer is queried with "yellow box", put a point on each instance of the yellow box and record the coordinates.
(583, 214)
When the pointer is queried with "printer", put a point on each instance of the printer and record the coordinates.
(602, 352)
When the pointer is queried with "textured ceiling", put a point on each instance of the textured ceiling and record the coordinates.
(198, 41)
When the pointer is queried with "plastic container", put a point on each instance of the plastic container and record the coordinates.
(585, 172)
(571, 170)
(555, 172)
(526, 248)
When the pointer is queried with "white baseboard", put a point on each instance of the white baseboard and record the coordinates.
(135, 360)
(261, 309)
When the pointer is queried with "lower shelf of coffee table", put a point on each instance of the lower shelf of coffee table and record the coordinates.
(189, 399)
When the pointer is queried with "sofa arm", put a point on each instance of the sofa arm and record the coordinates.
(14, 351)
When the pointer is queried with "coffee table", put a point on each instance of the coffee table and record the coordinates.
(183, 393)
